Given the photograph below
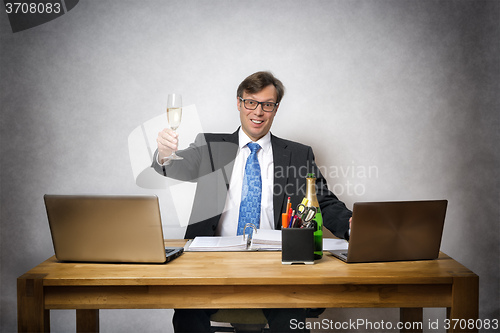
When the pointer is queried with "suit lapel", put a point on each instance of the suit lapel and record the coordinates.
(223, 153)
(281, 156)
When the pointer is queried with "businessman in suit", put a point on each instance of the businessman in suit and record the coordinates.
(219, 164)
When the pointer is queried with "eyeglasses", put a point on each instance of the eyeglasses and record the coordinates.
(250, 104)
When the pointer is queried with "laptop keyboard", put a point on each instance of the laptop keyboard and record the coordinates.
(167, 251)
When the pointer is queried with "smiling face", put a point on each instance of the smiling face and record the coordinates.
(256, 123)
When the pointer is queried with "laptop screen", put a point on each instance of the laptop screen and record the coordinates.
(98, 228)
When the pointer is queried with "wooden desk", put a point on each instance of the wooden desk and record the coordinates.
(243, 280)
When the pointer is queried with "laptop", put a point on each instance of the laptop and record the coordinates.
(114, 229)
(395, 231)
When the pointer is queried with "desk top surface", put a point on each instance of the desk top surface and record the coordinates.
(247, 268)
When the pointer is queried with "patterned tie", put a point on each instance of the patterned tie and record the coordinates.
(251, 192)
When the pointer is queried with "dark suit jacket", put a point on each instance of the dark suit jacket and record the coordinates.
(209, 162)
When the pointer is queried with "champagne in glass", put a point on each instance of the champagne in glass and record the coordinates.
(174, 115)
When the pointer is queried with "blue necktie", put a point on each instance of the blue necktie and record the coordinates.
(251, 192)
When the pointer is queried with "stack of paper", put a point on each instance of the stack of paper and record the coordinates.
(330, 244)
(266, 240)
(208, 243)
(262, 240)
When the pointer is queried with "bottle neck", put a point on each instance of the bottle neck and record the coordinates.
(311, 192)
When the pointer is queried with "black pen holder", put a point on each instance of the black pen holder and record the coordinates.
(297, 246)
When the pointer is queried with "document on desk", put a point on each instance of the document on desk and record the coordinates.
(263, 240)
(330, 244)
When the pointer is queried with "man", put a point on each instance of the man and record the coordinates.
(227, 168)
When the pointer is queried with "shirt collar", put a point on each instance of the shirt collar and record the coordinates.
(264, 142)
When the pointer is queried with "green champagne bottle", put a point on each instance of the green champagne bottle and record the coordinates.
(318, 218)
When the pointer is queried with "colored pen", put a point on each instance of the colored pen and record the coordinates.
(291, 219)
(285, 217)
(284, 220)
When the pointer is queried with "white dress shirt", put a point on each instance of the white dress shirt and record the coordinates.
(228, 223)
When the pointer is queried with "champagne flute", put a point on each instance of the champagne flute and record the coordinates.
(174, 115)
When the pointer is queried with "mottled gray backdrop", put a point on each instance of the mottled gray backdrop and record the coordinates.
(399, 99)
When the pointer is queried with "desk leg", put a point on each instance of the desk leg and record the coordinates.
(413, 316)
(31, 313)
(87, 321)
(464, 304)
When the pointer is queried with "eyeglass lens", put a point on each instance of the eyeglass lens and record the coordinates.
(252, 105)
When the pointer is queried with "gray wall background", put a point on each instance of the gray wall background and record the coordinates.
(406, 89)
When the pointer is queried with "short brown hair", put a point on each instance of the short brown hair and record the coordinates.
(258, 81)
